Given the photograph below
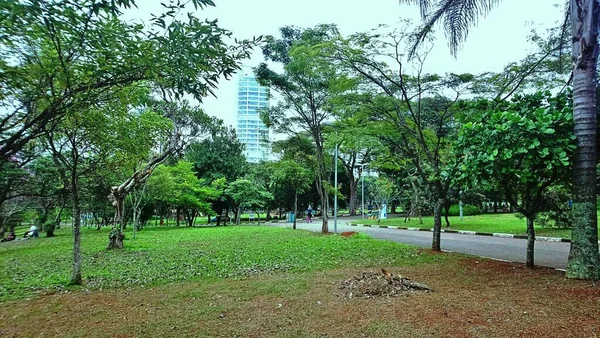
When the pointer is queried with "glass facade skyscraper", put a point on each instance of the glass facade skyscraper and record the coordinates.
(250, 129)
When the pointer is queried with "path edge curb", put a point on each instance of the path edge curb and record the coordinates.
(465, 232)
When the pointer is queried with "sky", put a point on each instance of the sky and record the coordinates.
(498, 39)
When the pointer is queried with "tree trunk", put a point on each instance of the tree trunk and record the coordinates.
(295, 209)
(76, 273)
(437, 225)
(135, 217)
(529, 262)
(446, 213)
(116, 236)
(352, 205)
(57, 220)
(584, 260)
(238, 216)
(179, 215)
(257, 217)
(325, 224)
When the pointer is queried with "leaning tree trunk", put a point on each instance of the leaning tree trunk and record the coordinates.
(529, 262)
(437, 225)
(295, 209)
(76, 273)
(584, 260)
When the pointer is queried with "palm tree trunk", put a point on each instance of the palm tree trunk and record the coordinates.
(584, 260)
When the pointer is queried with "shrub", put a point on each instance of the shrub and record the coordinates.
(560, 219)
(468, 210)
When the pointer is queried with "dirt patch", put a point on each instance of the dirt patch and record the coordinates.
(348, 233)
(472, 298)
(374, 284)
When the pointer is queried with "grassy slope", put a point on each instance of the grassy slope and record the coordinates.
(161, 255)
(504, 223)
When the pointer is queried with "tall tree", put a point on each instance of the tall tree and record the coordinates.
(187, 124)
(307, 83)
(582, 15)
(219, 156)
(412, 114)
(291, 174)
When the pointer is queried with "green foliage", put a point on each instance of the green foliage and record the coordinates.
(65, 56)
(165, 255)
(247, 194)
(218, 156)
(468, 210)
(525, 145)
(179, 187)
(289, 173)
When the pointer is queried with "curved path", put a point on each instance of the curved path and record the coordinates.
(548, 254)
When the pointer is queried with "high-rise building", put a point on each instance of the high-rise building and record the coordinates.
(251, 131)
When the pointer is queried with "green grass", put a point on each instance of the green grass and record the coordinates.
(503, 223)
(169, 254)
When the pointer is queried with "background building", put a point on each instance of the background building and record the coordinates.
(250, 129)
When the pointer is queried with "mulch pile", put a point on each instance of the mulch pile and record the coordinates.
(373, 284)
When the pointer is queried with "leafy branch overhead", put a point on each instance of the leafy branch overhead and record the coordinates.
(70, 55)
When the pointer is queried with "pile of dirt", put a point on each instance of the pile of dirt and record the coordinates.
(373, 284)
(348, 233)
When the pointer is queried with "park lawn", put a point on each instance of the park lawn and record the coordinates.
(472, 298)
(491, 223)
(162, 255)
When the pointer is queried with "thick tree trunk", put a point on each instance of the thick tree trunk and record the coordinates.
(446, 213)
(529, 262)
(238, 216)
(295, 209)
(116, 236)
(76, 273)
(584, 260)
(257, 217)
(352, 205)
(437, 225)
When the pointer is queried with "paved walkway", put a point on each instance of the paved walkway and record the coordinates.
(548, 254)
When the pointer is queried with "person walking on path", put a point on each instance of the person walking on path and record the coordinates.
(309, 212)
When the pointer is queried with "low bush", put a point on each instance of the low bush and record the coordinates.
(468, 210)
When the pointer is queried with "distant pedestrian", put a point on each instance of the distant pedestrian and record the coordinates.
(33, 232)
(309, 213)
(11, 237)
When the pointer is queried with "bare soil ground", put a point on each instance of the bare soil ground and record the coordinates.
(472, 298)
